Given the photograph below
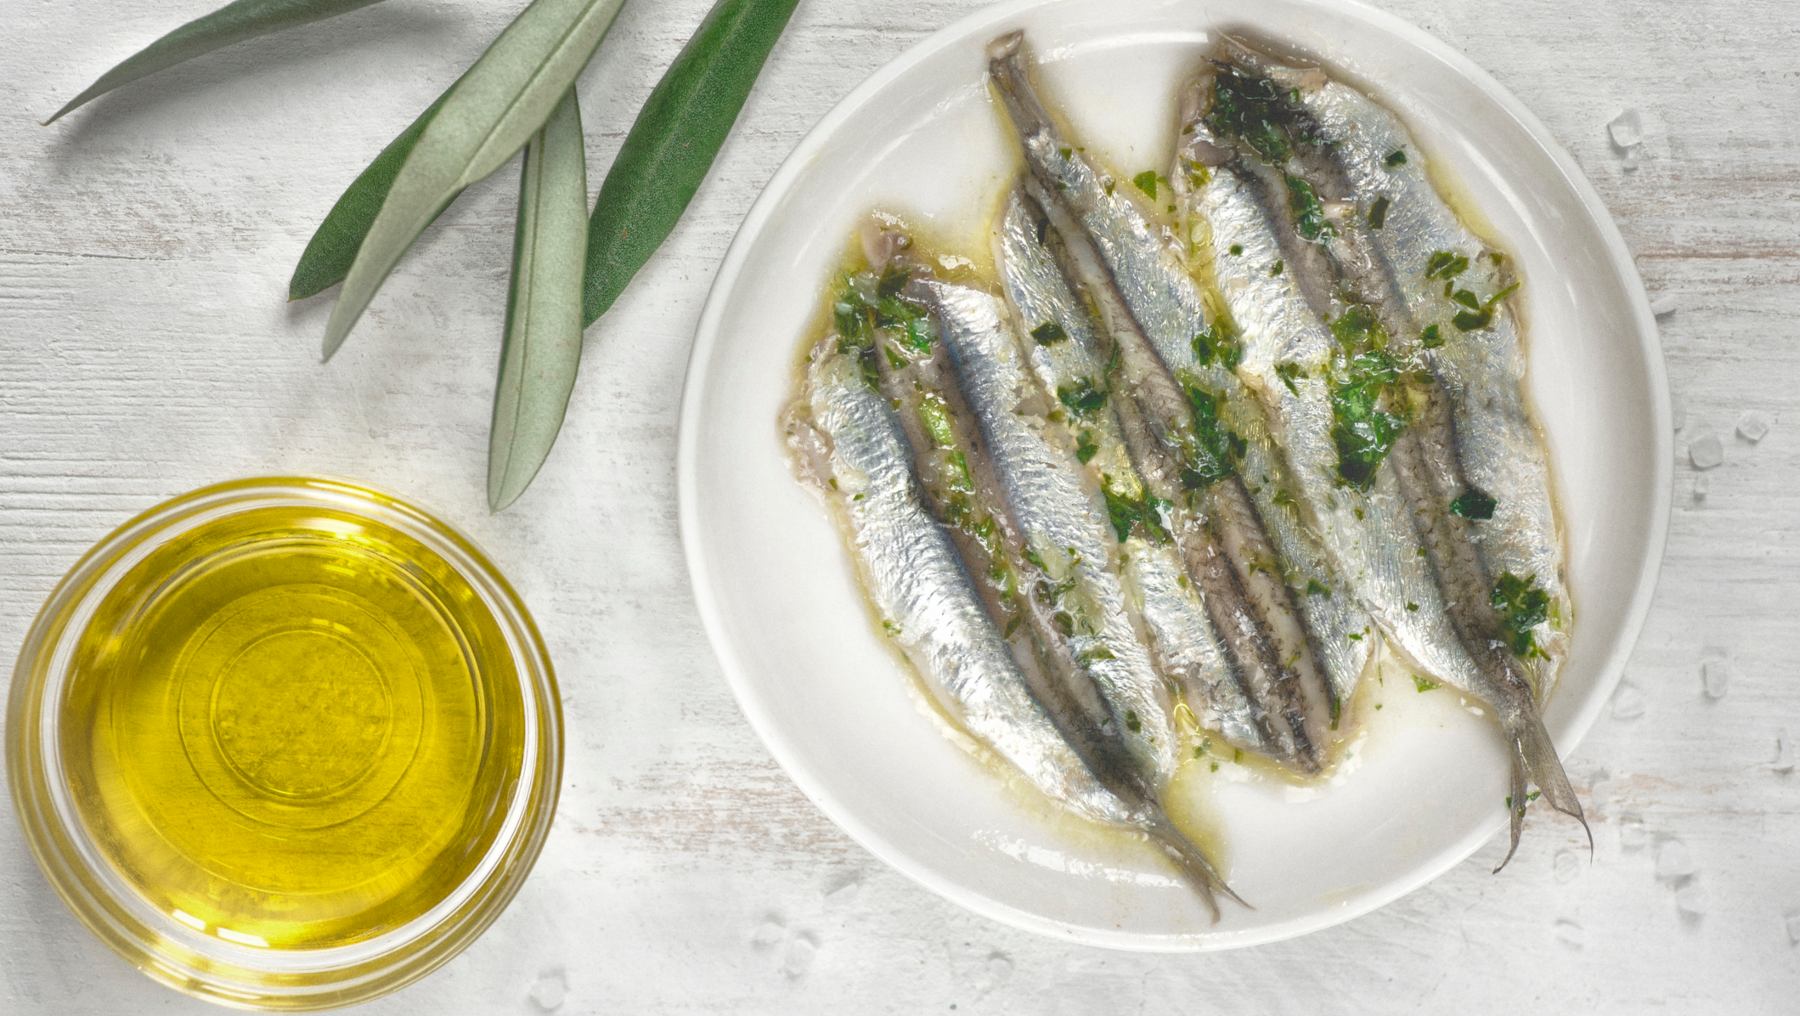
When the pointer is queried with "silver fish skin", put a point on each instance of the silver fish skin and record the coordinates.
(849, 446)
(1061, 520)
(1183, 638)
(1472, 433)
(1077, 641)
(1288, 360)
(1157, 314)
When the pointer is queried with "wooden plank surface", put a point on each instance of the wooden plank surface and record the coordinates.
(144, 249)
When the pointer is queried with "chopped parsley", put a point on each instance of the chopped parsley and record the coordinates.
(1445, 264)
(1287, 371)
(1316, 588)
(1143, 513)
(1132, 722)
(1275, 269)
(1146, 182)
(1266, 116)
(1309, 213)
(1219, 341)
(1431, 337)
(1477, 505)
(1085, 446)
(1213, 452)
(1236, 249)
(1378, 212)
(1397, 157)
(1083, 397)
(1424, 684)
(1363, 432)
(1522, 605)
(934, 416)
(1049, 333)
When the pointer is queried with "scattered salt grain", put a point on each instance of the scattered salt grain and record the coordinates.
(800, 953)
(768, 933)
(549, 990)
(1631, 832)
(1691, 897)
(1673, 860)
(1677, 412)
(1701, 487)
(1626, 130)
(1715, 677)
(1570, 934)
(1784, 752)
(1663, 305)
(1630, 160)
(1568, 866)
(1753, 426)
(1706, 451)
(1627, 702)
(1793, 927)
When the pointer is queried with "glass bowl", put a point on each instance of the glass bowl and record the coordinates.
(84, 863)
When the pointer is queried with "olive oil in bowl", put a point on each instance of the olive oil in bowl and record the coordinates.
(285, 725)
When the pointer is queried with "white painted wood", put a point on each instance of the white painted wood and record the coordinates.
(145, 349)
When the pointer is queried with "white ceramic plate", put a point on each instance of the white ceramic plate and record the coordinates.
(774, 584)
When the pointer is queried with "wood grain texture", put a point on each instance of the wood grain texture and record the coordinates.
(144, 249)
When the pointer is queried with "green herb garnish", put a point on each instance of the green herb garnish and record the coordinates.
(1049, 333)
(1085, 448)
(1083, 397)
(1378, 212)
(1425, 684)
(1309, 213)
(1397, 157)
(1522, 605)
(1473, 504)
(1146, 182)
(1445, 264)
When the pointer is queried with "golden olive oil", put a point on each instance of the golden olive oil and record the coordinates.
(292, 727)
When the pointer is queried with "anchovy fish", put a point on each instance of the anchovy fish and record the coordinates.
(1289, 627)
(1068, 358)
(850, 446)
(1322, 176)
(1005, 483)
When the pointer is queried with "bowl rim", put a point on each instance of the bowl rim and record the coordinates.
(709, 330)
(205, 966)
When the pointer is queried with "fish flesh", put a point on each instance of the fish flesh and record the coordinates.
(850, 446)
(1068, 357)
(1288, 626)
(1005, 487)
(1391, 362)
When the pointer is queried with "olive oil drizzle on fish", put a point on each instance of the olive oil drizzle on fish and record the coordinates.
(1345, 272)
(1153, 312)
(1129, 750)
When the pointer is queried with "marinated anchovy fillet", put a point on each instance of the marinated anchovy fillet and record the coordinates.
(1200, 438)
(1000, 477)
(1067, 358)
(851, 447)
(1428, 392)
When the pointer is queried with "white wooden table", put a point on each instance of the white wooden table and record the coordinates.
(145, 349)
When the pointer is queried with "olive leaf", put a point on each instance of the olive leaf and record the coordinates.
(230, 24)
(541, 348)
(334, 244)
(490, 114)
(673, 142)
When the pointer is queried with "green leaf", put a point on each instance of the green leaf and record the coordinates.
(334, 244)
(542, 345)
(673, 142)
(230, 24)
(491, 113)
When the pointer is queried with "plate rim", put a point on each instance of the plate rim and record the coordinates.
(707, 335)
